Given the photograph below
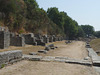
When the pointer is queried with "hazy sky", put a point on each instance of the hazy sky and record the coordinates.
(83, 11)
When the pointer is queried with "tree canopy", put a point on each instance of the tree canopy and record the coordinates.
(88, 30)
(23, 16)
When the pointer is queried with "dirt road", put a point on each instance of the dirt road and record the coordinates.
(74, 50)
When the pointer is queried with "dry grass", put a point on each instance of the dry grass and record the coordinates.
(26, 50)
(95, 44)
(30, 48)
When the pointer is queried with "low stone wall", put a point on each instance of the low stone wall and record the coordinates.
(9, 57)
(29, 39)
(50, 39)
(40, 42)
(45, 39)
(17, 41)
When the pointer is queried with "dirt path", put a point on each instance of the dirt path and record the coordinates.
(73, 50)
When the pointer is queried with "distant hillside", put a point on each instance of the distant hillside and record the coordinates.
(23, 16)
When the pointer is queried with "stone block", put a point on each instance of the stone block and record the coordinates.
(40, 42)
(47, 48)
(88, 46)
(32, 58)
(29, 39)
(42, 51)
(9, 56)
(17, 41)
(4, 39)
(45, 39)
(50, 38)
(32, 53)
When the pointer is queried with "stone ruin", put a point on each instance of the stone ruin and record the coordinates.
(45, 39)
(11, 39)
(50, 38)
(16, 40)
(39, 40)
(10, 57)
(4, 38)
(29, 39)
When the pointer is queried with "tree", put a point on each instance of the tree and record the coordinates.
(97, 34)
(88, 29)
(80, 32)
(67, 26)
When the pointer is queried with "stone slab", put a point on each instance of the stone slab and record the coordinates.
(32, 53)
(97, 69)
(82, 62)
(32, 58)
(95, 58)
(9, 56)
(42, 51)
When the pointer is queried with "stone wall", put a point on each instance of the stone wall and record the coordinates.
(29, 39)
(4, 39)
(9, 56)
(45, 39)
(40, 42)
(17, 41)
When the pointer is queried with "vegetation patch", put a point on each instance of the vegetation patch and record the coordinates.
(95, 44)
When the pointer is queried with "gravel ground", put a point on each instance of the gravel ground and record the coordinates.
(74, 50)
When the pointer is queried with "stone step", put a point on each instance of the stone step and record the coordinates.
(32, 57)
(82, 62)
(95, 58)
(57, 59)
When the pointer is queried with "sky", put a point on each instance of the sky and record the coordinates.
(83, 11)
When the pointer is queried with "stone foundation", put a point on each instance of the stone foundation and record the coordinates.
(17, 41)
(4, 39)
(29, 39)
(9, 56)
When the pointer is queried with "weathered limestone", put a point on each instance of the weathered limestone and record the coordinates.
(9, 57)
(32, 53)
(29, 39)
(50, 38)
(38, 36)
(87, 58)
(48, 58)
(40, 42)
(4, 39)
(82, 62)
(54, 38)
(32, 58)
(45, 39)
(94, 56)
(51, 46)
(17, 41)
(97, 69)
(12, 34)
(88, 46)
(47, 48)
(58, 59)
(42, 51)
